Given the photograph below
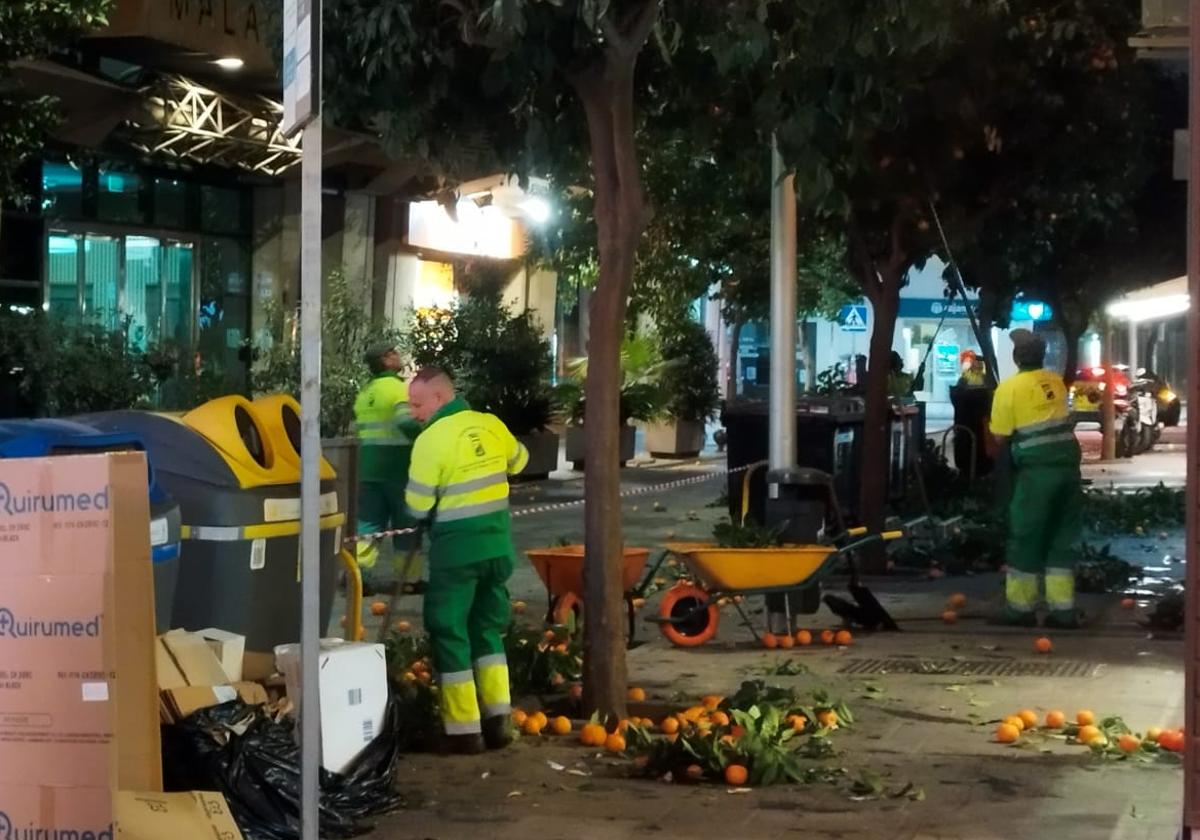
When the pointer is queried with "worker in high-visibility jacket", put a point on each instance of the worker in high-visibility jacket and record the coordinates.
(459, 484)
(386, 431)
(1031, 416)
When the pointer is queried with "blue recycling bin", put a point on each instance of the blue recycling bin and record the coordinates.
(46, 437)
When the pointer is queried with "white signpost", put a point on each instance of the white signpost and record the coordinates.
(302, 110)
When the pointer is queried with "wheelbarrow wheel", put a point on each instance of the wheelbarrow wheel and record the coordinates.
(689, 616)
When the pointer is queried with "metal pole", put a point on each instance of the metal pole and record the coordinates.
(1191, 760)
(1133, 349)
(782, 423)
(310, 479)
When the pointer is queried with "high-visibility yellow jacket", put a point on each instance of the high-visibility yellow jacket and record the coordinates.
(385, 430)
(1031, 409)
(459, 479)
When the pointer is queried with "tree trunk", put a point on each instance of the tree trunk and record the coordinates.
(873, 476)
(606, 91)
(988, 310)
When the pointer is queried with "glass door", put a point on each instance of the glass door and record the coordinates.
(177, 266)
(102, 280)
(143, 297)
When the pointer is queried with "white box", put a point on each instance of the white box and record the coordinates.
(354, 693)
(230, 648)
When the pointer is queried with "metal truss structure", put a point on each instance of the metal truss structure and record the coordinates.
(187, 120)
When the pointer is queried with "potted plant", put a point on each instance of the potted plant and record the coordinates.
(690, 393)
(640, 400)
(501, 364)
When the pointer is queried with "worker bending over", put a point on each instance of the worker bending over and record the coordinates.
(1030, 414)
(459, 483)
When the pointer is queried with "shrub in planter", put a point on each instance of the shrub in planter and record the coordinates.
(690, 393)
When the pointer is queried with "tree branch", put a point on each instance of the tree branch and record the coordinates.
(626, 38)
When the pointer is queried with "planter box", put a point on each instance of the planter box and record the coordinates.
(543, 455)
(675, 439)
(576, 436)
(342, 455)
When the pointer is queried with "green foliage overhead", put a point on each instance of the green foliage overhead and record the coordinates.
(33, 29)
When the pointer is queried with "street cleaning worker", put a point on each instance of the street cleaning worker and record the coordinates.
(459, 484)
(900, 385)
(1031, 416)
(386, 432)
(973, 374)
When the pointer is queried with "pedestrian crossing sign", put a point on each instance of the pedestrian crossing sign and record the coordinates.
(853, 317)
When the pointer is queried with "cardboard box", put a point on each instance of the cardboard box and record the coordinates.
(77, 660)
(181, 702)
(229, 648)
(354, 693)
(193, 659)
(178, 816)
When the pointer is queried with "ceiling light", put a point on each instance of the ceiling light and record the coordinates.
(230, 63)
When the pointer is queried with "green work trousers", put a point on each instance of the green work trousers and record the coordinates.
(381, 508)
(467, 614)
(1044, 519)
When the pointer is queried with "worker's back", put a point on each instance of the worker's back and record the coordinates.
(1031, 407)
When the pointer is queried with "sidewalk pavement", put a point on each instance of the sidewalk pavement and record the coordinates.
(918, 724)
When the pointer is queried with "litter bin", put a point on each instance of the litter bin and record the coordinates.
(828, 438)
(39, 438)
(972, 408)
(238, 488)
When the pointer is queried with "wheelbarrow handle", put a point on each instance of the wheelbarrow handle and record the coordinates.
(858, 531)
(888, 536)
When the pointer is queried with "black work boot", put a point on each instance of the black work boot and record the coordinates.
(497, 732)
(461, 744)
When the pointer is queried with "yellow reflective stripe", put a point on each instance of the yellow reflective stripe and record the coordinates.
(519, 461)
(1021, 590)
(1060, 589)
(491, 678)
(474, 484)
(233, 533)
(455, 514)
(367, 554)
(420, 488)
(460, 706)
(1042, 440)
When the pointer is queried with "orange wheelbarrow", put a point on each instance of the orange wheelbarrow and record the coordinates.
(561, 571)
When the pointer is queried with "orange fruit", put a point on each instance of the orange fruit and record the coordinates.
(694, 713)
(409, 676)
(1013, 720)
(669, 726)
(770, 642)
(737, 731)
(1085, 717)
(786, 641)
(694, 772)
(541, 719)
(1129, 743)
(637, 695)
(719, 719)
(519, 717)
(614, 743)
(711, 701)
(532, 726)
(803, 638)
(575, 692)
(843, 638)
(827, 637)
(1055, 719)
(1029, 717)
(949, 617)
(1153, 732)
(549, 636)
(1006, 733)
(402, 626)
(561, 726)
(1128, 603)
(378, 608)
(592, 735)
(828, 719)
(561, 647)
(957, 601)
(1088, 734)
(728, 740)
(622, 726)
(1172, 740)
(736, 775)
(798, 722)
(1043, 645)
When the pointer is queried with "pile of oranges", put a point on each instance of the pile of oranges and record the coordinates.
(804, 638)
(1085, 731)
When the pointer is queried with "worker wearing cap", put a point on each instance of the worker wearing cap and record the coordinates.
(1030, 415)
(386, 432)
(459, 483)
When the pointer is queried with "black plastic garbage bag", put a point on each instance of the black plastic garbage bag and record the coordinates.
(254, 761)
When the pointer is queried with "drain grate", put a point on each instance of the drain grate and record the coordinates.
(972, 667)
